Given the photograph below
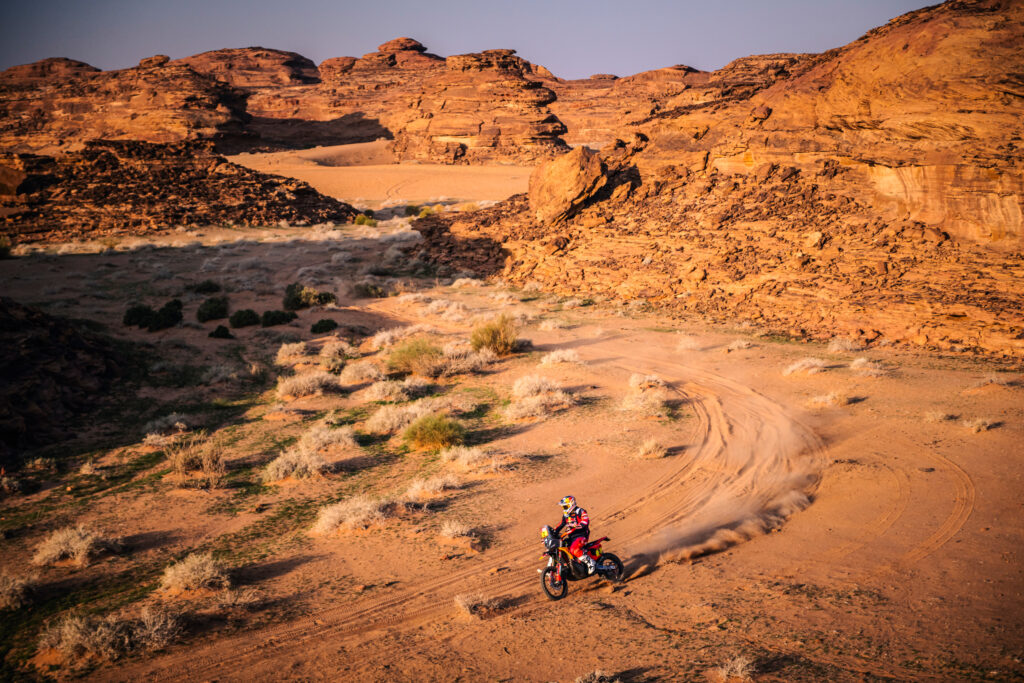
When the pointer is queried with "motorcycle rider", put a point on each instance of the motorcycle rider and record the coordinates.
(575, 531)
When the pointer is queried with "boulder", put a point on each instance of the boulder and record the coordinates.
(401, 44)
(559, 188)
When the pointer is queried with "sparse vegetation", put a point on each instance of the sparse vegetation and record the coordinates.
(844, 345)
(651, 449)
(110, 637)
(385, 338)
(831, 399)
(476, 605)
(141, 315)
(213, 308)
(368, 290)
(288, 354)
(421, 488)
(14, 591)
(498, 336)
(434, 431)
(736, 670)
(76, 543)
(685, 342)
(455, 529)
(297, 296)
(536, 396)
(466, 457)
(197, 461)
(647, 396)
(5, 247)
(806, 366)
(867, 368)
(323, 326)
(274, 318)
(419, 356)
(221, 332)
(198, 570)
(307, 384)
(939, 416)
(363, 219)
(363, 371)
(396, 392)
(353, 513)
(561, 356)
(244, 318)
(598, 676)
(738, 345)
(204, 287)
(298, 463)
(980, 424)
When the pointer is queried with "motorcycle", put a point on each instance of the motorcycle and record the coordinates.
(562, 567)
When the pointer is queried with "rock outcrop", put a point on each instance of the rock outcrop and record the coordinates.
(560, 187)
(481, 108)
(135, 187)
(50, 372)
(56, 105)
(254, 67)
(871, 192)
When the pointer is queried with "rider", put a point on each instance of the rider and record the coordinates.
(575, 531)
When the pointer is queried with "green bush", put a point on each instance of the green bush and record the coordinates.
(416, 355)
(363, 219)
(499, 336)
(271, 318)
(323, 326)
(412, 210)
(434, 431)
(368, 290)
(297, 296)
(5, 246)
(138, 315)
(204, 287)
(244, 318)
(221, 332)
(169, 315)
(213, 308)
(425, 211)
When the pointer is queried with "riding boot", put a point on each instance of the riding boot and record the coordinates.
(589, 561)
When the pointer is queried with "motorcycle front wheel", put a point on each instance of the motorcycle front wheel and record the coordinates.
(610, 567)
(554, 588)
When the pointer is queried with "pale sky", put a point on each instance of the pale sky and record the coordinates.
(573, 38)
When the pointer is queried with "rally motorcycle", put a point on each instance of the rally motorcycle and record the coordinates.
(563, 567)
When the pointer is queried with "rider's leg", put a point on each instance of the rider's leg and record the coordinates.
(576, 548)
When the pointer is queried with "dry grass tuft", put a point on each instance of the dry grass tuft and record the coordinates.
(14, 591)
(289, 354)
(174, 423)
(78, 543)
(386, 338)
(109, 638)
(476, 605)
(390, 418)
(829, 400)
(598, 676)
(939, 416)
(647, 396)
(338, 349)
(460, 359)
(844, 345)
(388, 391)
(466, 457)
(806, 366)
(355, 513)
(651, 449)
(499, 336)
(867, 368)
(198, 570)
(455, 529)
(418, 356)
(738, 345)
(536, 396)
(434, 431)
(196, 453)
(422, 488)
(364, 371)
(736, 670)
(307, 384)
(980, 424)
(561, 356)
(552, 324)
(686, 342)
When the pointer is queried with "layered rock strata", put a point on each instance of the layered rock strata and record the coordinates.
(113, 187)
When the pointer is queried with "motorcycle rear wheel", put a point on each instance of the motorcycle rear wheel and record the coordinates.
(554, 588)
(610, 567)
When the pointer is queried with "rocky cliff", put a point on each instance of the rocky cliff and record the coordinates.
(56, 105)
(871, 192)
(112, 187)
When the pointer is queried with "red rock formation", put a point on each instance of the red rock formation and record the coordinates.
(51, 106)
(254, 67)
(136, 187)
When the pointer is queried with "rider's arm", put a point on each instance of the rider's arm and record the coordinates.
(584, 519)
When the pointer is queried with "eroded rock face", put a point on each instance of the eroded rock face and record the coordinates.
(559, 188)
(481, 108)
(50, 372)
(59, 106)
(135, 187)
(254, 67)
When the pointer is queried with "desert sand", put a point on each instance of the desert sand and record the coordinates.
(842, 524)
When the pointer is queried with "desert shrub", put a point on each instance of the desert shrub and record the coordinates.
(111, 637)
(169, 315)
(322, 437)
(78, 543)
(338, 349)
(476, 605)
(536, 396)
(411, 210)
(368, 290)
(197, 453)
(651, 450)
(460, 360)
(833, 398)
(738, 345)
(385, 338)
(498, 335)
(363, 219)
(172, 422)
(454, 529)
(464, 282)
(306, 384)
(939, 416)
(428, 487)
(843, 345)
(204, 287)
(416, 355)
(434, 431)
(387, 391)
(273, 318)
(213, 308)
(14, 591)
(980, 424)
(807, 366)
(465, 456)
(425, 211)
(598, 676)
(356, 512)
(551, 325)
(198, 570)
(138, 315)
(685, 342)
(155, 629)
(867, 368)
(737, 669)
(290, 353)
(363, 371)
(221, 332)
(5, 247)
(299, 463)
(244, 318)
(389, 419)
(561, 356)
(298, 296)
(646, 396)
(533, 385)
(323, 326)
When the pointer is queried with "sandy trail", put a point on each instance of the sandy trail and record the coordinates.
(753, 464)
